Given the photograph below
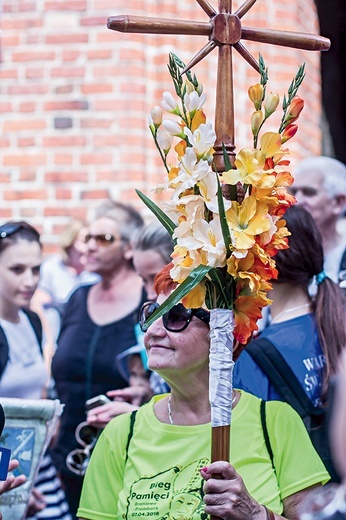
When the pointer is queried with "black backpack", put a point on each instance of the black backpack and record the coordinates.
(285, 382)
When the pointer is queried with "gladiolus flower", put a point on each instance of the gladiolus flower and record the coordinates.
(289, 132)
(194, 101)
(257, 119)
(156, 115)
(169, 104)
(165, 140)
(271, 104)
(173, 128)
(296, 106)
(256, 95)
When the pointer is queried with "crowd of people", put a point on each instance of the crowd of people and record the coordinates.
(73, 327)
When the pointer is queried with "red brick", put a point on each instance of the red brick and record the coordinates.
(68, 140)
(64, 39)
(64, 89)
(70, 55)
(8, 73)
(96, 158)
(25, 194)
(5, 178)
(63, 159)
(28, 213)
(94, 21)
(37, 72)
(24, 124)
(33, 56)
(4, 142)
(68, 72)
(6, 107)
(65, 105)
(100, 54)
(6, 213)
(24, 160)
(25, 142)
(96, 123)
(61, 193)
(27, 106)
(65, 176)
(20, 90)
(18, 24)
(97, 87)
(71, 5)
(95, 194)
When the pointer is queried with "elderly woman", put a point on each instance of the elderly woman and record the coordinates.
(157, 463)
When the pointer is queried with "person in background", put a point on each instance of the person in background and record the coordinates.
(152, 247)
(163, 458)
(320, 187)
(98, 324)
(338, 419)
(308, 332)
(22, 371)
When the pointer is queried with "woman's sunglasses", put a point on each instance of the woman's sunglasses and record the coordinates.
(8, 229)
(100, 239)
(174, 320)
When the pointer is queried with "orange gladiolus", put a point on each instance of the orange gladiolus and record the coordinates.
(294, 110)
(289, 132)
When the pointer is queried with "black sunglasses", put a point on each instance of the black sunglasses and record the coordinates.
(174, 320)
(100, 239)
(10, 228)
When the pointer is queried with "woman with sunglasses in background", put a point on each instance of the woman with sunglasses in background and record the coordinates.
(157, 463)
(22, 369)
(98, 325)
(152, 246)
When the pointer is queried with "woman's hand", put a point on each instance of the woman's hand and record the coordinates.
(135, 394)
(36, 503)
(101, 415)
(226, 495)
(12, 482)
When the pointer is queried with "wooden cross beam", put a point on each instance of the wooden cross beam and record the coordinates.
(224, 30)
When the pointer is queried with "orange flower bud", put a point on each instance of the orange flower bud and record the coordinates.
(289, 132)
(296, 106)
(271, 104)
(257, 119)
(256, 95)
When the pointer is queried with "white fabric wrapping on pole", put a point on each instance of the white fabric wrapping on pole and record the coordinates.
(221, 366)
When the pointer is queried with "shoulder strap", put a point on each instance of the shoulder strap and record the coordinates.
(280, 374)
(132, 425)
(343, 262)
(36, 325)
(265, 432)
(3, 350)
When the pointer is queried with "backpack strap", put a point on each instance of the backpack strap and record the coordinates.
(282, 377)
(265, 432)
(36, 325)
(132, 425)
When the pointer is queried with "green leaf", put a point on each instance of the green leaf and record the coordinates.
(195, 277)
(159, 214)
(223, 220)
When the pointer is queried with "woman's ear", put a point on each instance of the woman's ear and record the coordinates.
(128, 252)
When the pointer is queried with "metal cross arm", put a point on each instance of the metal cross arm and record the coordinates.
(224, 30)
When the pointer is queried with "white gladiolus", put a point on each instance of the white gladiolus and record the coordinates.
(202, 139)
(165, 140)
(156, 115)
(172, 127)
(169, 103)
(194, 101)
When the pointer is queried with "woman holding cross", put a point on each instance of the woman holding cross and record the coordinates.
(157, 463)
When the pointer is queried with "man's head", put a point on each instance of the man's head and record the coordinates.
(320, 187)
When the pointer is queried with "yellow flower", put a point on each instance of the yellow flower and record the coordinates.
(270, 144)
(256, 95)
(257, 119)
(196, 297)
(271, 104)
(246, 221)
(249, 170)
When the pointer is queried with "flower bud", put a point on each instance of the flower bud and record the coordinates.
(296, 106)
(172, 127)
(271, 104)
(156, 115)
(256, 95)
(289, 132)
(257, 119)
(165, 140)
(169, 103)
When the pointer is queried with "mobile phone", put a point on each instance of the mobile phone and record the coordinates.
(99, 400)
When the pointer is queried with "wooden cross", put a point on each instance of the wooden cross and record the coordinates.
(224, 31)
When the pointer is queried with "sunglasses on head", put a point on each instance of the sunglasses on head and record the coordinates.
(174, 320)
(10, 228)
(100, 239)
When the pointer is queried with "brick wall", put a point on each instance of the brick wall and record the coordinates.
(74, 98)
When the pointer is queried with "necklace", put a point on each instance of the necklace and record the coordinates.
(291, 309)
(169, 410)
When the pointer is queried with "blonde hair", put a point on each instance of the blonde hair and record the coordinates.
(69, 236)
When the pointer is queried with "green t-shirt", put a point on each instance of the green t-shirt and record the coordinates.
(162, 475)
